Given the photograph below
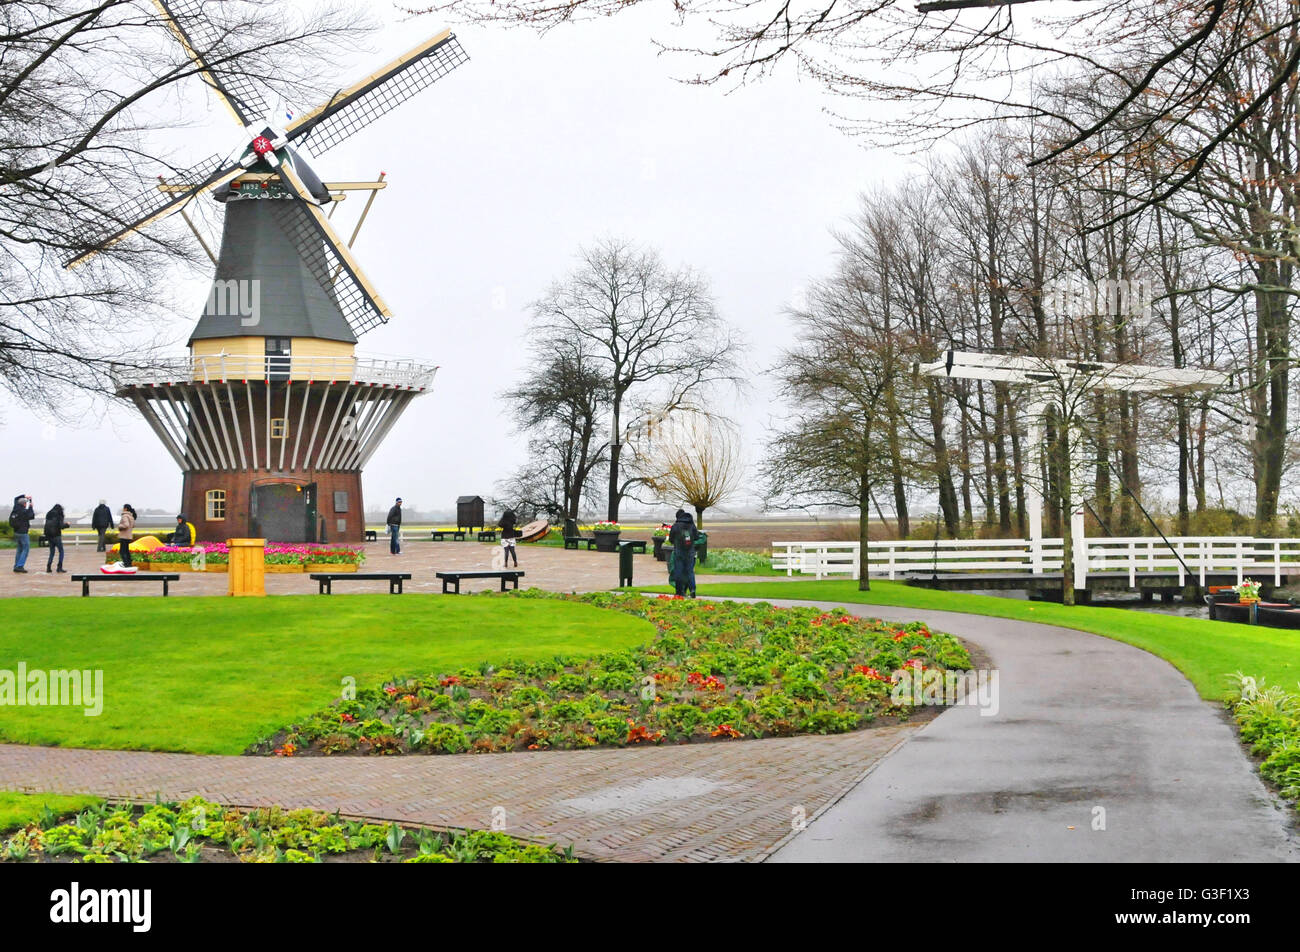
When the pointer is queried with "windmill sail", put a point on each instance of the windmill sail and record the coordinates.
(154, 205)
(206, 44)
(354, 108)
(328, 258)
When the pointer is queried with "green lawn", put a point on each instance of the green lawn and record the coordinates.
(20, 809)
(213, 675)
(1205, 651)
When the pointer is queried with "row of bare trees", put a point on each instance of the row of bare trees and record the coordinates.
(985, 252)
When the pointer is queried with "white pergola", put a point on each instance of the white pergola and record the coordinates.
(1051, 379)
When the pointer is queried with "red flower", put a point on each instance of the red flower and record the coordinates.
(447, 682)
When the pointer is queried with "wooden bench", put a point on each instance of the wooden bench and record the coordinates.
(85, 580)
(457, 535)
(506, 575)
(372, 535)
(487, 535)
(394, 579)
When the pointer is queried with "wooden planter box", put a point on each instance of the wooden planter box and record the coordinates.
(276, 568)
(330, 567)
(606, 541)
(223, 567)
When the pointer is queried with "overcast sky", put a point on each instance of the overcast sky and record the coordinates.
(499, 173)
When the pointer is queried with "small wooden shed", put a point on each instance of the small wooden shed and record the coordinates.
(469, 513)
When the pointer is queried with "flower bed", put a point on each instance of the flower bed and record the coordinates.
(1269, 721)
(201, 831)
(278, 556)
(716, 671)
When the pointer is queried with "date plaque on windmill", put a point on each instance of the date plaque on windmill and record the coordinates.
(469, 512)
(275, 396)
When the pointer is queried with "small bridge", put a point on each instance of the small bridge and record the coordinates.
(1145, 564)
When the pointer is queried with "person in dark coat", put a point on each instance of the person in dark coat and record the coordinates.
(395, 528)
(509, 533)
(20, 520)
(682, 538)
(101, 521)
(54, 526)
(181, 537)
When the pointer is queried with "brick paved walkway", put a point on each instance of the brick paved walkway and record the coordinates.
(696, 803)
(548, 567)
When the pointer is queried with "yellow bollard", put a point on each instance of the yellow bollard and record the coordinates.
(247, 571)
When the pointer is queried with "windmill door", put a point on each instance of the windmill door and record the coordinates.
(279, 512)
(309, 494)
(279, 356)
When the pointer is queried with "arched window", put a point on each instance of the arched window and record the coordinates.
(216, 505)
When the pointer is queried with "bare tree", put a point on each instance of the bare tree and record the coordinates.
(652, 333)
(953, 68)
(560, 409)
(699, 460)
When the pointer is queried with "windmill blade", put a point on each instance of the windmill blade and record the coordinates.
(205, 43)
(154, 205)
(354, 108)
(328, 258)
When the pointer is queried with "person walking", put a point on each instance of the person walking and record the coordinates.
(101, 520)
(125, 535)
(20, 520)
(395, 528)
(509, 533)
(682, 537)
(54, 526)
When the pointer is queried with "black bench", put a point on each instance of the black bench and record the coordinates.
(487, 535)
(85, 580)
(394, 579)
(372, 535)
(506, 575)
(572, 542)
(636, 545)
(457, 535)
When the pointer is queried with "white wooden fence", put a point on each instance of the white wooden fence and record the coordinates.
(1130, 555)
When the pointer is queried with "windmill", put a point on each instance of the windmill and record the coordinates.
(273, 417)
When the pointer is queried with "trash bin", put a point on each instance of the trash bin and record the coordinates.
(625, 563)
(245, 574)
(702, 548)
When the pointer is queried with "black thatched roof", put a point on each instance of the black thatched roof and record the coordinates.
(291, 302)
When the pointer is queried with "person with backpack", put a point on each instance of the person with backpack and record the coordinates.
(101, 521)
(20, 520)
(395, 528)
(125, 535)
(54, 526)
(682, 537)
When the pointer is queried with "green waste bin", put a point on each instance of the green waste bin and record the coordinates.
(625, 563)
(702, 548)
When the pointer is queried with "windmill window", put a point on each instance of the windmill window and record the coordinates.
(279, 428)
(216, 505)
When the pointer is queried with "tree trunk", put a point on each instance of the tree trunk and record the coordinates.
(1062, 456)
(864, 529)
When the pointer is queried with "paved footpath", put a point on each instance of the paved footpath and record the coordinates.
(698, 802)
(1084, 723)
